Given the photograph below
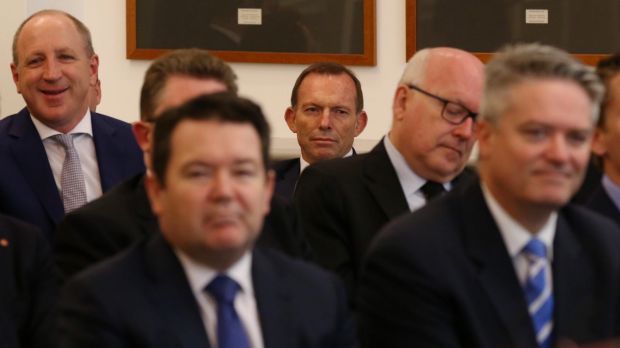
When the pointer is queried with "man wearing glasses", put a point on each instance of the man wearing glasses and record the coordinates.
(345, 202)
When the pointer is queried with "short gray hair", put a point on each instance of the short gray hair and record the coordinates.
(515, 64)
(416, 68)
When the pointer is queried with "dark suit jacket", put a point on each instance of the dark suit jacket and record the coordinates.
(123, 216)
(141, 298)
(27, 188)
(600, 202)
(27, 287)
(442, 277)
(287, 173)
(344, 203)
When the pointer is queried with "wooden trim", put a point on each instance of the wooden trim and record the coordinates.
(368, 57)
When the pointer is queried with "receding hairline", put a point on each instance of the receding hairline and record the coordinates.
(80, 28)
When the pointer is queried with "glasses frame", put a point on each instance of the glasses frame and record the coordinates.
(445, 102)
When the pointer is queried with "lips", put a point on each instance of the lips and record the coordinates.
(53, 92)
(323, 140)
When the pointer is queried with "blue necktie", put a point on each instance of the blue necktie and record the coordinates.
(230, 332)
(538, 292)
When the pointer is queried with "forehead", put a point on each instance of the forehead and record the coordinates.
(558, 102)
(338, 86)
(49, 30)
(181, 88)
(215, 142)
(456, 77)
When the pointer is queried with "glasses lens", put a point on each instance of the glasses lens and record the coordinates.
(455, 113)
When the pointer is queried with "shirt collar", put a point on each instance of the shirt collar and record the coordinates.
(409, 180)
(83, 127)
(303, 164)
(200, 275)
(516, 236)
(612, 190)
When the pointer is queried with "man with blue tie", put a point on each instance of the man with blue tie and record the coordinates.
(201, 282)
(504, 261)
(56, 154)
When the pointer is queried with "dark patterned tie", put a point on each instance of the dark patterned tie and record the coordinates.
(72, 185)
(230, 332)
(432, 190)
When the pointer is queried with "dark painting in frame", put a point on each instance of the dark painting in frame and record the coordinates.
(182, 23)
(584, 28)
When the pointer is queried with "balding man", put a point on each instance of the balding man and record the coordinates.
(56, 154)
(345, 202)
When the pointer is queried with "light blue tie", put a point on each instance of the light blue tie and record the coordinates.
(538, 292)
(230, 331)
(72, 185)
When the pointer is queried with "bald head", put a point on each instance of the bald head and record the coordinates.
(435, 82)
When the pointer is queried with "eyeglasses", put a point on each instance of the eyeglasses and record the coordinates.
(453, 113)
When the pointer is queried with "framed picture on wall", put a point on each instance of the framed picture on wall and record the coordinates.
(587, 29)
(262, 31)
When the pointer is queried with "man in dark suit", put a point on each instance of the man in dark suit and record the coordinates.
(604, 196)
(54, 67)
(344, 203)
(200, 283)
(123, 216)
(28, 289)
(326, 113)
(503, 262)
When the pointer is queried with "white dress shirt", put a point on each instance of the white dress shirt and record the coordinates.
(85, 146)
(410, 182)
(199, 276)
(515, 237)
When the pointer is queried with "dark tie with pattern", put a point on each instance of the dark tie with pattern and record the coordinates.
(230, 331)
(72, 185)
(432, 190)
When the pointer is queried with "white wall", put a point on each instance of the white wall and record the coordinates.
(268, 84)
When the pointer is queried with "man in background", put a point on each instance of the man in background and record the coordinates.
(326, 113)
(123, 216)
(56, 154)
(344, 203)
(605, 196)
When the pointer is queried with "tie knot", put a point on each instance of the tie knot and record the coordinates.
(432, 189)
(65, 140)
(223, 289)
(536, 248)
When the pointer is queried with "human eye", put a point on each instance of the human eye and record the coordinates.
(197, 172)
(578, 138)
(244, 171)
(535, 133)
(341, 112)
(66, 57)
(312, 110)
(34, 61)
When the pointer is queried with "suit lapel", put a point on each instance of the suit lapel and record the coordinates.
(287, 178)
(496, 273)
(571, 280)
(273, 302)
(382, 181)
(109, 151)
(29, 154)
(171, 294)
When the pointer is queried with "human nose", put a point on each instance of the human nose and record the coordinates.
(222, 186)
(325, 121)
(51, 70)
(558, 151)
(465, 130)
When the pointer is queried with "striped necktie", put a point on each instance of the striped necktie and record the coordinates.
(537, 291)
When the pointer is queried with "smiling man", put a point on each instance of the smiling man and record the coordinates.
(201, 282)
(345, 202)
(504, 261)
(326, 113)
(57, 154)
